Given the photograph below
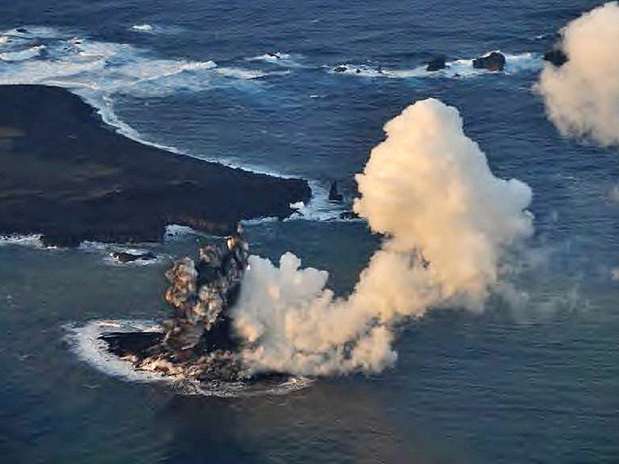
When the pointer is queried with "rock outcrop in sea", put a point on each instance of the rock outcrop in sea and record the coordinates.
(334, 194)
(437, 63)
(125, 257)
(556, 56)
(493, 61)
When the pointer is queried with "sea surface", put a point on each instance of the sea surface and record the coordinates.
(533, 383)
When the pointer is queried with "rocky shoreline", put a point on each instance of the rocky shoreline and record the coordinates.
(68, 176)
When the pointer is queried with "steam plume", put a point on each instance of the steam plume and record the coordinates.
(447, 222)
(582, 96)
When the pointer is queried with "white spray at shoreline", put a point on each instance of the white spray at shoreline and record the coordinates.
(447, 222)
(582, 96)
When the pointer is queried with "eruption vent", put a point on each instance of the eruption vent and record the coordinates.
(582, 96)
(447, 222)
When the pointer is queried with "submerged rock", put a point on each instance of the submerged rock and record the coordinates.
(129, 257)
(494, 61)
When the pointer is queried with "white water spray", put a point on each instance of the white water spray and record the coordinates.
(447, 223)
(582, 96)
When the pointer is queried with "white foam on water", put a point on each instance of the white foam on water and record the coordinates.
(246, 389)
(241, 73)
(107, 250)
(319, 208)
(358, 70)
(460, 68)
(142, 28)
(85, 343)
(97, 71)
(275, 57)
(247, 74)
(42, 32)
(21, 55)
(178, 232)
(257, 221)
(279, 58)
(523, 62)
(27, 240)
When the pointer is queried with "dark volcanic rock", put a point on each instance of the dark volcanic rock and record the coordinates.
(494, 61)
(197, 340)
(339, 69)
(349, 215)
(556, 56)
(66, 175)
(131, 343)
(127, 257)
(334, 195)
(437, 63)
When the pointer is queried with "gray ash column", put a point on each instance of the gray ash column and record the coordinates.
(201, 294)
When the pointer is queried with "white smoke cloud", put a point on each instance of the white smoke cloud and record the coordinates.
(447, 223)
(582, 96)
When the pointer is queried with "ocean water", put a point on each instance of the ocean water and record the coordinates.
(539, 383)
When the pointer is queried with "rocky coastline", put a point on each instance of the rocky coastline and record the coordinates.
(68, 176)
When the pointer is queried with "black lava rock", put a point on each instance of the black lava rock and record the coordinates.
(127, 257)
(437, 63)
(556, 56)
(334, 195)
(494, 61)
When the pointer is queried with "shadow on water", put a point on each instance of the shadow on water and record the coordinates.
(339, 419)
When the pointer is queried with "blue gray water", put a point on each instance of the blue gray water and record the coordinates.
(534, 384)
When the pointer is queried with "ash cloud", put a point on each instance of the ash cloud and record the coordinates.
(447, 222)
(582, 96)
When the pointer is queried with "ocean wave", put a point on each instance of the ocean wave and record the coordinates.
(142, 28)
(20, 55)
(97, 71)
(27, 240)
(84, 341)
(461, 68)
(279, 58)
(78, 63)
(41, 32)
(248, 74)
(271, 57)
(240, 73)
